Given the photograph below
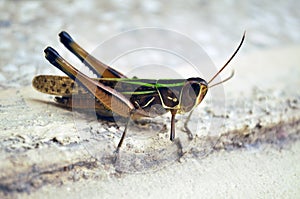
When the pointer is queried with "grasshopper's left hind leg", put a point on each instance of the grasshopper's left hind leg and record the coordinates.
(116, 153)
(106, 95)
(123, 136)
(110, 98)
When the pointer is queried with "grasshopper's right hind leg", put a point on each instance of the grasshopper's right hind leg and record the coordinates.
(99, 68)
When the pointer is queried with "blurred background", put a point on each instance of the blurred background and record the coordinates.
(27, 27)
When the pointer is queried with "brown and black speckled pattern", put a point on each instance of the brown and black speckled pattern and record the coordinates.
(56, 85)
(65, 86)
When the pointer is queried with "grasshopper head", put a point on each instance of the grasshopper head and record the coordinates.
(193, 92)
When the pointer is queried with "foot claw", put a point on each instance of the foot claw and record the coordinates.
(116, 155)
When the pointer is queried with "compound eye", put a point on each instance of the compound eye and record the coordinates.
(189, 96)
(195, 89)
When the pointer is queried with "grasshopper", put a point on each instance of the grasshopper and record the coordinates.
(113, 92)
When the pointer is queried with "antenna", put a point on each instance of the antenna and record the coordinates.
(232, 56)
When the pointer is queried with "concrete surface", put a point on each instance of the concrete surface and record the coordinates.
(249, 149)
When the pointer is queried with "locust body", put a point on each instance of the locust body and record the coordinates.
(113, 93)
